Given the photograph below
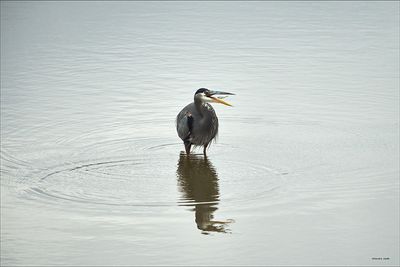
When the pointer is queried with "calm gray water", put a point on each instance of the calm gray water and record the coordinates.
(305, 170)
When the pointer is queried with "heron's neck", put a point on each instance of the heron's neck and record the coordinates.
(200, 106)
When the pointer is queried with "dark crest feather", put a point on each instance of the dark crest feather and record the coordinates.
(201, 90)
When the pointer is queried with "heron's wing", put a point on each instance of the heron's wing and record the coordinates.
(184, 123)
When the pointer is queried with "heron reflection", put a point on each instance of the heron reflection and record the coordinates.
(198, 183)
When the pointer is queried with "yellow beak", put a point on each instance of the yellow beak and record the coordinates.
(219, 100)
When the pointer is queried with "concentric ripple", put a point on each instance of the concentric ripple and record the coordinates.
(122, 182)
(147, 172)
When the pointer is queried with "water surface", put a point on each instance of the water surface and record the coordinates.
(305, 170)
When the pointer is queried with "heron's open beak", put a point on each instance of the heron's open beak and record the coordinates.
(219, 99)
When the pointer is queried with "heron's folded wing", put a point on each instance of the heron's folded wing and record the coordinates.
(183, 123)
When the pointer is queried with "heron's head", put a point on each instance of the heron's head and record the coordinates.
(209, 96)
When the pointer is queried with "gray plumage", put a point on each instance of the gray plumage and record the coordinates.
(204, 126)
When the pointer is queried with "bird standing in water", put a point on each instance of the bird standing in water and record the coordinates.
(197, 123)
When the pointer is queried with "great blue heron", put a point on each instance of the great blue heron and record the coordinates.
(197, 123)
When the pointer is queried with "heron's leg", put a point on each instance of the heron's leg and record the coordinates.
(186, 141)
(187, 146)
(205, 149)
